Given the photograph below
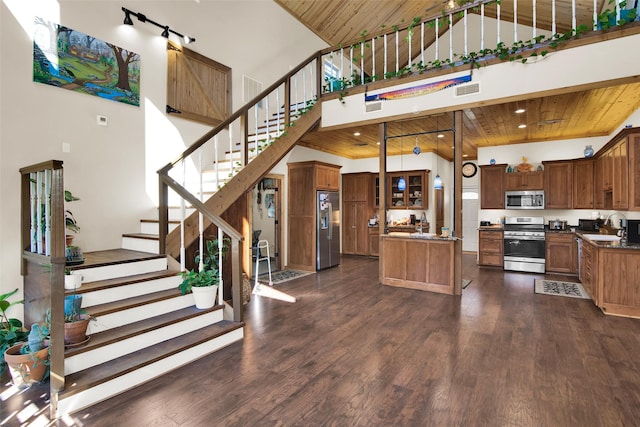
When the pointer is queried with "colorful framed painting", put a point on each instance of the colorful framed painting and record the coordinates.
(79, 62)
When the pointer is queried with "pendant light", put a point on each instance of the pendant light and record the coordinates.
(437, 181)
(402, 184)
(416, 149)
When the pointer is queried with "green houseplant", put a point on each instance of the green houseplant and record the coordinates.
(11, 330)
(203, 283)
(76, 321)
(70, 221)
(29, 361)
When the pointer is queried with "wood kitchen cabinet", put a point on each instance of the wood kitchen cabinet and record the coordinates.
(558, 184)
(634, 171)
(589, 269)
(620, 189)
(415, 195)
(598, 183)
(355, 233)
(561, 253)
(375, 191)
(492, 186)
(355, 187)
(515, 181)
(374, 241)
(583, 184)
(490, 248)
(305, 178)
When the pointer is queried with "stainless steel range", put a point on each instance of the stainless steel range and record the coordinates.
(524, 248)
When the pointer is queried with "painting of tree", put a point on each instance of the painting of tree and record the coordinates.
(76, 61)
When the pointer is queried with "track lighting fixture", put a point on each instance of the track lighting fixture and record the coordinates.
(165, 28)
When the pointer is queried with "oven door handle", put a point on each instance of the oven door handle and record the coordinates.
(508, 238)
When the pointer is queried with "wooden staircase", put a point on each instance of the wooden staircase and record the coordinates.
(143, 327)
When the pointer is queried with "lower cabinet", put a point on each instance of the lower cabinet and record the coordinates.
(374, 241)
(355, 234)
(589, 270)
(561, 253)
(490, 248)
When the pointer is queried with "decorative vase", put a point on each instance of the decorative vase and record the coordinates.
(26, 369)
(492, 161)
(588, 151)
(204, 296)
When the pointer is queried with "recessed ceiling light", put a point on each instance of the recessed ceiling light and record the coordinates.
(440, 135)
(377, 143)
(465, 155)
(522, 126)
(520, 111)
(356, 134)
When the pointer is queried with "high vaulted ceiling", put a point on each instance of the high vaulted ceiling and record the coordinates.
(597, 111)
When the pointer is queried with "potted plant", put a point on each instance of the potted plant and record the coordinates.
(70, 221)
(11, 330)
(29, 361)
(72, 279)
(76, 321)
(203, 283)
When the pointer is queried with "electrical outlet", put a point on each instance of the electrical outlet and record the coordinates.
(102, 120)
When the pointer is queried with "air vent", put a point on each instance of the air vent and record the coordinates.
(250, 88)
(370, 107)
(468, 89)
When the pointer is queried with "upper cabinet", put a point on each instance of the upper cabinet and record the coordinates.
(583, 184)
(492, 179)
(634, 171)
(533, 180)
(620, 190)
(355, 187)
(415, 194)
(558, 184)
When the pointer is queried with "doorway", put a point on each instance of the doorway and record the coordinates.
(266, 222)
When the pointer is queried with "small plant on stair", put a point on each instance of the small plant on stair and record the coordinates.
(204, 281)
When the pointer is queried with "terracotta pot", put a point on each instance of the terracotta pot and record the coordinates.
(26, 369)
(76, 332)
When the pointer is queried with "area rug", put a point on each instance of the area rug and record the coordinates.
(465, 283)
(564, 289)
(283, 276)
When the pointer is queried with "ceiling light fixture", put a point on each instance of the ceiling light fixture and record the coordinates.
(416, 149)
(437, 181)
(356, 133)
(402, 184)
(166, 31)
(522, 126)
(520, 111)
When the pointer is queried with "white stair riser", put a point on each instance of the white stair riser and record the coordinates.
(104, 296)
(142, 245)
(135, 314)
(152, 227)
(114, 271)
(121, 348)
(118, 385)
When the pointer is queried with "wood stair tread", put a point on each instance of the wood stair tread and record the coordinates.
(104, 372)
(101, 339)
(122, 281)
(146, 236)
(123, 304)
(114, 256)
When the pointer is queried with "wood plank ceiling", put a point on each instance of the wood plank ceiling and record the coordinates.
(593, 112)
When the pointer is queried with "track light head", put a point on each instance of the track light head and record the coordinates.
(165, 32)
(188, 39)
(127, 17)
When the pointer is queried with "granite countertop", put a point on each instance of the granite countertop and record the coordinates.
(423, 236)
(608, 244)
(492, 227)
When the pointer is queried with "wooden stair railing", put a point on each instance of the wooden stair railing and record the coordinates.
(43, 256)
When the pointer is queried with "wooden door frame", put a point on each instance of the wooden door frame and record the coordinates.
(278, 232)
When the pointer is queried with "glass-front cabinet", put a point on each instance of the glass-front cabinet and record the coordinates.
(414, 195)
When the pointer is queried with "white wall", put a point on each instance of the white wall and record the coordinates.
(113, 169)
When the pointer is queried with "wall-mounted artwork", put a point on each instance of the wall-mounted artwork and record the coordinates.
(82, 63)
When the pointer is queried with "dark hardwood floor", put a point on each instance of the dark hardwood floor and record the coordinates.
(352, 352)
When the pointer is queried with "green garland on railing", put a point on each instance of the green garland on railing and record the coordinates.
(516, 52)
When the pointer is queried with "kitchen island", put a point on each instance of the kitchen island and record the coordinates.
(420, 261)
(610, 273)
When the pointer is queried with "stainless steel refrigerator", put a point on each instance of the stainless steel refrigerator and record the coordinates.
(327, 229)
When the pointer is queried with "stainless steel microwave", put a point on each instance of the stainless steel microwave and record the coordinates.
(524, 199)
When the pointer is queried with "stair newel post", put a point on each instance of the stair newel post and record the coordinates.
(183, 215)
(163, 210)
(236, 280)
(220, 250)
